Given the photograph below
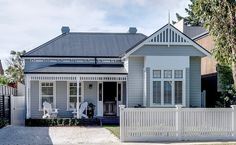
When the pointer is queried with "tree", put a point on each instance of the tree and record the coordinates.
(3, 80)
(219, 18)
(15, 71)
(191, 19)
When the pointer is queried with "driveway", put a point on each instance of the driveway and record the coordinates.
(19, 135)
(55, 135)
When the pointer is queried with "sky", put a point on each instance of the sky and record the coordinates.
(26, 24)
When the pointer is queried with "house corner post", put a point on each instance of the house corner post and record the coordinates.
(233, 121)
(178, 120)
(78, 100)
(122, 108)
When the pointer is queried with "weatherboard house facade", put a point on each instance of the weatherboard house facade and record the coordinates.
(110, 69)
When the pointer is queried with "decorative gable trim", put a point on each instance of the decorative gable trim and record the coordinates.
(167, 35)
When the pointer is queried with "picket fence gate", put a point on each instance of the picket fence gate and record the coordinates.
(177, 124)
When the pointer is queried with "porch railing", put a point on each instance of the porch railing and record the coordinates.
(159, 124)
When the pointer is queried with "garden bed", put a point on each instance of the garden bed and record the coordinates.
(62, 122)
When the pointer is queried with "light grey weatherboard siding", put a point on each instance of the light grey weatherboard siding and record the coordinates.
(61, 100)
(195, 82)
(163, 50)
(90, 94)
(135, 81)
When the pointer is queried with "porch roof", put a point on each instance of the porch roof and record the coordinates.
(55, 69)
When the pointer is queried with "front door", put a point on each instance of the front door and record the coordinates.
(109, 98)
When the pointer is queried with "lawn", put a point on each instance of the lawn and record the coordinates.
(113, 129)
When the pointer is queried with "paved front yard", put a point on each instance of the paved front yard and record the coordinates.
(55, 135)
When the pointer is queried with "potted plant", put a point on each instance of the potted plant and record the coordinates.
(90, 110)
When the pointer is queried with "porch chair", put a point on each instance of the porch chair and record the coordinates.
(83, 107)
(48, 112)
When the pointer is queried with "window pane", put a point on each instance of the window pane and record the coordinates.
(47, 99)
(157, 92)
(72, 102)
(167, 73)
(47, 90)
(119, 92)
(178, 73)
(156, 73)
(100, 92)
(167, 92)
(73, 91)
(178, 92)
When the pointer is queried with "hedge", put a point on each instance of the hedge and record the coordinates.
(61, 122)
(3, 122)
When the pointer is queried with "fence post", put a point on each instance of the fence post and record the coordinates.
(234, 120)
(178, 120)
(122, 107)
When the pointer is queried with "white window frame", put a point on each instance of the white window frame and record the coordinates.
(68, 94)
(172, 79)
(40, 94)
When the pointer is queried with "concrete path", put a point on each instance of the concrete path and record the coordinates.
(19, 135)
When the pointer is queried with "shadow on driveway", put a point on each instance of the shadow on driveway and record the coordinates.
(25, 135)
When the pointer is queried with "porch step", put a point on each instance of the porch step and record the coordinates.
(90, 122)
(110, 121)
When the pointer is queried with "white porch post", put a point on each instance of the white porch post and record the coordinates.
(233, 120)
(27, 92)
(78, 92)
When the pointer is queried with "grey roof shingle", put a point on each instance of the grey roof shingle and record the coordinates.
(87, 44)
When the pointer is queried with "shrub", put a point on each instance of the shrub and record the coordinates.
(61, 122)
(3, 122)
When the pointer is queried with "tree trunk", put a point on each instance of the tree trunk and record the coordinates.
(234, 66)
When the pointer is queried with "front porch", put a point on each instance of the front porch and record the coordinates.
(63, 91)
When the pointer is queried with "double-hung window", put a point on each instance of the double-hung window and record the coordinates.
(47, 90)
(72, 95)
(167, 87)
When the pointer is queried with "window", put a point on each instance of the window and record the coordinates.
(157, 92)
(167, 92)
(72, 92)
(167, 89)
(47, 93)
(156, 73)
(178, 92)
(178, 73)
(167, 73)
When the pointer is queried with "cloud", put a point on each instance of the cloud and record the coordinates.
(26, 24)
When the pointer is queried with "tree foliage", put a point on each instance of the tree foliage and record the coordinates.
(219, 18)
(15, 71)
(191, 19)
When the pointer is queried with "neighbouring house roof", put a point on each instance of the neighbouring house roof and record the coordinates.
(80, 69)
(193, 31)
(1, 68)
(87, 45)
(190, 31)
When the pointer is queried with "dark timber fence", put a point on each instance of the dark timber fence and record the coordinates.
(5, 102)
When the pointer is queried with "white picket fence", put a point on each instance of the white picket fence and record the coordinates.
(171, 124)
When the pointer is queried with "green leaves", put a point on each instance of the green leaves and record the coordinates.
(15, 72)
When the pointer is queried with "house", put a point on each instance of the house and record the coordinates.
(210, 80)
(110, 69)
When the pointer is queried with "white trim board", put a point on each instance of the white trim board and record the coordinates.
(168, 35)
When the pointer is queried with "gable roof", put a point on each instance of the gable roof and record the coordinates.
(167, 35)
(87, 45)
